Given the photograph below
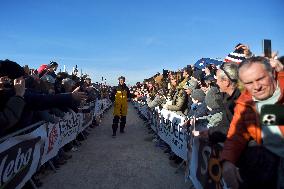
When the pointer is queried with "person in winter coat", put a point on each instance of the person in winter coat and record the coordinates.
(12, 90)
(157, 101)
(179, 99)
(119, 96)
(198, 111)
(218, 124)
(21, 102)
(227, 80)
(263, 85)
(189, 87)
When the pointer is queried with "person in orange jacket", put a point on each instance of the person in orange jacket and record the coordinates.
(263, 80)
(119, 96)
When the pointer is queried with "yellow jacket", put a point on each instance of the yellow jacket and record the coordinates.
(120, 94)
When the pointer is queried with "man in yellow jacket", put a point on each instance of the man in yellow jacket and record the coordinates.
(119, 96)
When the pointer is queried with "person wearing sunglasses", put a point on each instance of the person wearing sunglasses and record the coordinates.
(227, 80)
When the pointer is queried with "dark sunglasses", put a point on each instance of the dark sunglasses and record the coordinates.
(222, 68)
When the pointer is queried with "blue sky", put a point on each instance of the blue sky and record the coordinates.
(134, 38)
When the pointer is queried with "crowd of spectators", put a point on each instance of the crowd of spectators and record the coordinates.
(28, 96)
(222, 104)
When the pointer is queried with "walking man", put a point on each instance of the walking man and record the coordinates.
(119, 96)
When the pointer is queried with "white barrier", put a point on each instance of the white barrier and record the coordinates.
(21, 156)
(61, 133)
(203, 167)
(101, 106)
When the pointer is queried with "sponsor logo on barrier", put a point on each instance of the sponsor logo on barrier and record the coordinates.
(52, 138)
(68, 128)
(16, 162)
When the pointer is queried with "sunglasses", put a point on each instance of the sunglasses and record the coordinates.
(226, 73)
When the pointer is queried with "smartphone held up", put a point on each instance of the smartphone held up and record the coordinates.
(266, 47)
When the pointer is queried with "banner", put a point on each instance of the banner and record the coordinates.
(51, 146)
(69, 127)
(170, 130)
(101, 106)
(86, 119)
(205, 169)
(20, 158)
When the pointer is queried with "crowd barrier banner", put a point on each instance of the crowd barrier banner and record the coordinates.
(69, 127)
(51, 145)
(20, 157)
(86, 119)
(61, 133)
(101, 106)
(203, 168)
(168, 125)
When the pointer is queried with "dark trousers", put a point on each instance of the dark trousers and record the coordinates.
(116, 121)
(258, 168)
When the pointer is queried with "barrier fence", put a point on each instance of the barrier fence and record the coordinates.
(23, 152)
(202, 158)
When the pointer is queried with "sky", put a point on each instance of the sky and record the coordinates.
(134, 38)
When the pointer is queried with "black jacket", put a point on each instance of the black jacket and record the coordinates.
(229, 103)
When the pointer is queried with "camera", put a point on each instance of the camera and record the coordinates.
(272, 114)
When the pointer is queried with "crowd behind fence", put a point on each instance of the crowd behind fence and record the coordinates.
(207, 116)
(44, 116)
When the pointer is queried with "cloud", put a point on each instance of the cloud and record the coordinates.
(152, 41)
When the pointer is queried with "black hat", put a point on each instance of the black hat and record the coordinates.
(213, 98)
(121, 77)
(198, 95)
(11, 69)
(52, 64)
(198, 74)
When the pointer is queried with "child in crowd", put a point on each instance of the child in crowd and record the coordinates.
(217, 123)
(198, 110)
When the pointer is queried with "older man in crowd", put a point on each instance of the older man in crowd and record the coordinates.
(227, 80)
(260, 166)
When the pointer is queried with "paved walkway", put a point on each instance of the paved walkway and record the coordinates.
(129, 161)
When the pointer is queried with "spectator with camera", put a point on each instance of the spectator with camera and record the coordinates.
(12, 90)
(260, 165)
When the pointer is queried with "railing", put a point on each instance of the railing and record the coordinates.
(200, 157)
(24, 151)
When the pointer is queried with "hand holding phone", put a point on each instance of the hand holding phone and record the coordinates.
(266, 46)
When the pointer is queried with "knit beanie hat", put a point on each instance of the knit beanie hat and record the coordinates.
(191, 84)
(11, 69)
(198, 95)
(237, 56)
(213, 98)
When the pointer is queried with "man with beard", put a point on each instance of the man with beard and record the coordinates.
(119, 96)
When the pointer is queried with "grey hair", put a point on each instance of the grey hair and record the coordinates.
(257, 60)
(232, 70)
